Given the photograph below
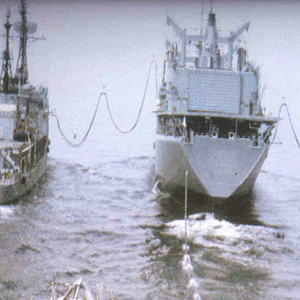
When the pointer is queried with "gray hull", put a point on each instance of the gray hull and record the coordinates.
(218, 168)
(15, 188)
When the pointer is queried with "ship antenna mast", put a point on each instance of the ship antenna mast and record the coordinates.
(6, 73)
(22, 71)
(201, 31)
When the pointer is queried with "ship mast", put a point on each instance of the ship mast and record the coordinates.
(6, 73)
(22, 70)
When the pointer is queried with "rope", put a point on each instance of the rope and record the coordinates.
(290, 120)
(110, 113)
(187, 262)
(186, 196)
(141, 108)
(88, 131)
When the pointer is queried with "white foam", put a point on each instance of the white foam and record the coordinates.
(155, 188)
(187, 264)
(92, 171)
(185, 247)
(233, 242)
(197, 297)
(6, 212)
(194, 283)
(188, 269)
(197, 225)
(205, 230)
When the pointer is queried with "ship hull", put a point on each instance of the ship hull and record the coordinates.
(218, 168)
(10, 191)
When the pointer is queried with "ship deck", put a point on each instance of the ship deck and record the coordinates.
(218, 115)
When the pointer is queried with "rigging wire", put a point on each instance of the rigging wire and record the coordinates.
(110, 113)
(284, 104)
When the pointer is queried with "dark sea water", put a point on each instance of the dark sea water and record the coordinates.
(97, 213)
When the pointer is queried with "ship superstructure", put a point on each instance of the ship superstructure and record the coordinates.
(24, 113)
(209, 118)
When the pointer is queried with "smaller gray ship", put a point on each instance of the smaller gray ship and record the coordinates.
(209, 119)
(24, 113)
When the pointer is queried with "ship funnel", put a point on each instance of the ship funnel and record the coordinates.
(212, 41)
(211, 33)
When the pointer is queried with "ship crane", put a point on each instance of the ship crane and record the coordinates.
(231, 40)
(208, 44)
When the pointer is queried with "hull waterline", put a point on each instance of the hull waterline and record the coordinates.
(17, 187)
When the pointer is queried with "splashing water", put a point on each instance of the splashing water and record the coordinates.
(205, 230)
(188, 269)
(6, 212)
(222, 241)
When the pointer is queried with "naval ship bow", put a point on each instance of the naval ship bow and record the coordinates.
(209, 118)
(24, 113)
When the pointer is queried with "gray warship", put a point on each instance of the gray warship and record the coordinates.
(24, 113)
(212, 134)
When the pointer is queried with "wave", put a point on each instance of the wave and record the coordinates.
(237, 240)
(6, 212)
(99, 233)
(26, 248)
(78, 272)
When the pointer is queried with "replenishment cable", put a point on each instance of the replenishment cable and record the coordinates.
(141, 108)
(284, 104)
(103, 94)
(88, 131)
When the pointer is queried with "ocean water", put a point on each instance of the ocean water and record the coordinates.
(97, 213)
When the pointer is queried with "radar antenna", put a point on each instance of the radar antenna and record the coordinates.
(6, 73)
(23, 28)
(201, 31)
